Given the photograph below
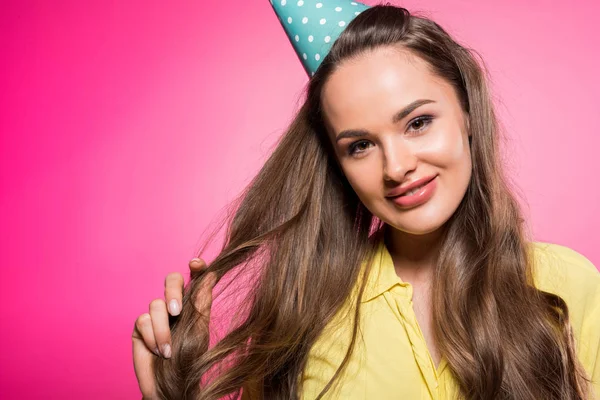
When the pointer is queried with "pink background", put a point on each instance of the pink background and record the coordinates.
(127, 126)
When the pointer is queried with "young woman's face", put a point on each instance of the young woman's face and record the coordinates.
(365, 95)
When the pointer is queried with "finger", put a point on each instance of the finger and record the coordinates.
(204, 297)
(197, 264)
(174, 292)
(143, 324)
(143, 364)
(160, 326)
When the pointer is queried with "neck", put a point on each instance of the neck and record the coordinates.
(413, 255)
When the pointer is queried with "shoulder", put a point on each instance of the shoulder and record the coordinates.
(569, 274)
(565, 272)
(561, 270)
(572, 276)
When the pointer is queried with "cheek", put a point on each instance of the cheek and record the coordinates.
(454, 158)
(447, 151)
(448, 147)
(364, 177)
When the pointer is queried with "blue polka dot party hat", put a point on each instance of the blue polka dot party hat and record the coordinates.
(312, 26)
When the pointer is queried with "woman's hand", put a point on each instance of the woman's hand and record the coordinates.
(151, 333)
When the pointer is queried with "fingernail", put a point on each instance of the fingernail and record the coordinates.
(167, 350)
(157, 352)
(174, 307)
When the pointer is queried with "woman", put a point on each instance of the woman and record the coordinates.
(389, 255)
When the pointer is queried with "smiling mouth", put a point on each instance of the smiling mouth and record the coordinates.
(416, 196)
(412, 190)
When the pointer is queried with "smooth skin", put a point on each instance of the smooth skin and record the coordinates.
(151, 331)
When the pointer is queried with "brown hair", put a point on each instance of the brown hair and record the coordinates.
(300, 221)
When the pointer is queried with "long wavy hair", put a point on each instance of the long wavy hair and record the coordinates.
(302, 224)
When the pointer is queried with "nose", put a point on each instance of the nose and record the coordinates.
(398, 160)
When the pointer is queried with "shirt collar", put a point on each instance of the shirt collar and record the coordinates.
(383, 274)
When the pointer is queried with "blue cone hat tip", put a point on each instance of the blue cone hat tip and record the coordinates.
(312, 26)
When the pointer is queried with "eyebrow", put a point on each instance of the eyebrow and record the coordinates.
(399, 116)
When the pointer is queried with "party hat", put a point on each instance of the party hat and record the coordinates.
(312, 26)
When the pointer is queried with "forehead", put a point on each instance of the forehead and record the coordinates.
(370, 88)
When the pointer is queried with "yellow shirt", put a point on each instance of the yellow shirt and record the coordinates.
(392, 360)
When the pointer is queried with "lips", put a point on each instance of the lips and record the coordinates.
(402, 190)
(422, 196)
(412, 191)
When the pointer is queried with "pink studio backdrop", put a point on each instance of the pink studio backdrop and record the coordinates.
(127, 126)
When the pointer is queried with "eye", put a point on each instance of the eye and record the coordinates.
(420, 123)
(358, 147)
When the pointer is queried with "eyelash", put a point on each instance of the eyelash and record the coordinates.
(424, 118)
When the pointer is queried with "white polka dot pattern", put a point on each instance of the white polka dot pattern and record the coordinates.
(312, 26)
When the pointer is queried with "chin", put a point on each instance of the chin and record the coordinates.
(415, 229)
(420, 222)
